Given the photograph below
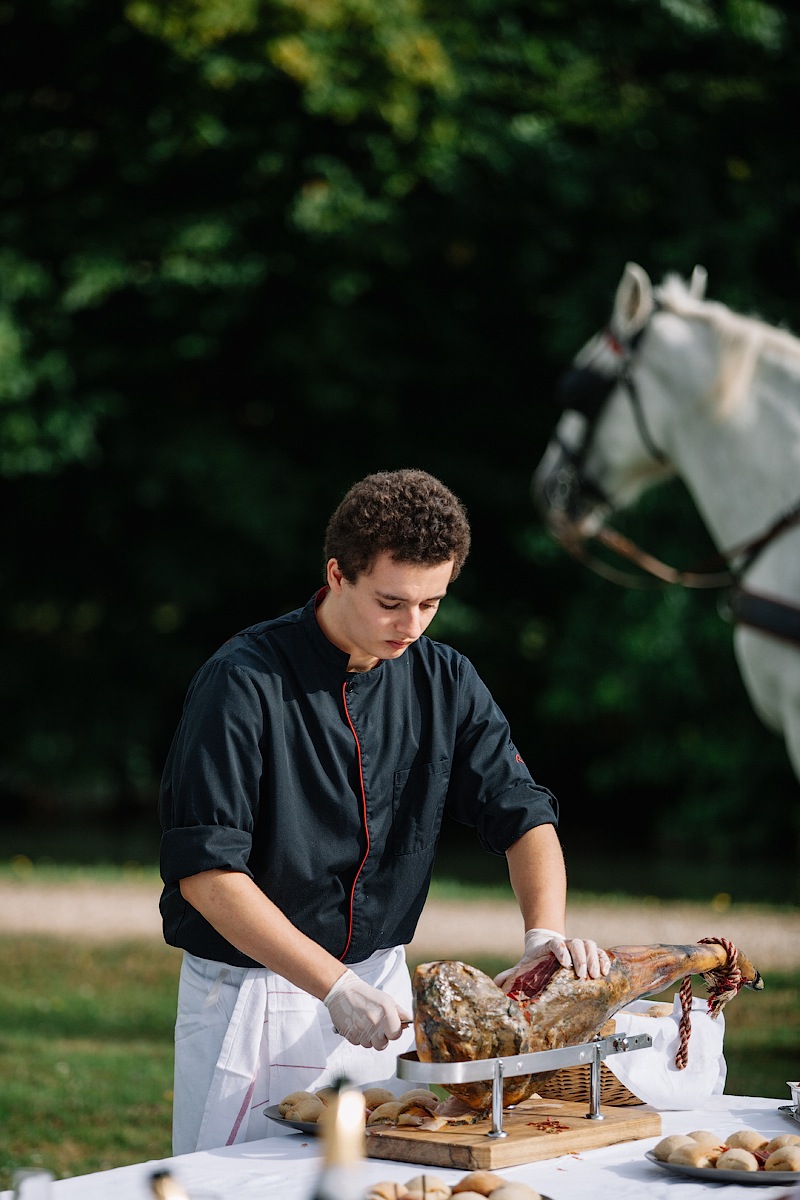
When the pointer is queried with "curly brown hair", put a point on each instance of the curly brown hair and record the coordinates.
(407, 512)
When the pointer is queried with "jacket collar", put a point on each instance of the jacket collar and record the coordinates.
(332, 654)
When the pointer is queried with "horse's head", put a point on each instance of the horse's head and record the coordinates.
(608, 445)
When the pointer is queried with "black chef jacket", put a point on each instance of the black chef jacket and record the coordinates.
(328, 788)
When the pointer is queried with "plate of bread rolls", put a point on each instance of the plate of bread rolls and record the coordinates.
(744, 1156)
(304, 1110)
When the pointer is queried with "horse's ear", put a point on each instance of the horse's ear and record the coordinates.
(697, 284)
(633, 302)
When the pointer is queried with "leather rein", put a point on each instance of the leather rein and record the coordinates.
(701, 576)
(742, 607)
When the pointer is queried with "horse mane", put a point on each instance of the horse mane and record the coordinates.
(742, 340)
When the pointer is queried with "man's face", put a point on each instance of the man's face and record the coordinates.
(382, 613)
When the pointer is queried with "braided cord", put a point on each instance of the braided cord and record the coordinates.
(685, 1024)
(723, 984)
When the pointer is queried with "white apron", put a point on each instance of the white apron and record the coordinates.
(246, 1037)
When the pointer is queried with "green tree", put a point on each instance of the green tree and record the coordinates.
(251, 250)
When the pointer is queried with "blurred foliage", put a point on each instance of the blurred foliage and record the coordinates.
(252, 249)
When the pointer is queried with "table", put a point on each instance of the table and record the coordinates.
(285, 1167)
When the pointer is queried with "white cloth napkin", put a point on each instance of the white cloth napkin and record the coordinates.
(651, 1073)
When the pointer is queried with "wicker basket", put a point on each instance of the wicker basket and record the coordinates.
(574, 1083)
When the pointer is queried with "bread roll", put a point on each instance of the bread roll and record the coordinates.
(422, 1096)
(737, 1159)
(482, 1182)
(692, 1154)
(384, 1114)
(705, 1137)
(386, 1191)
(665, 1147)
(711, 1143)
(747, 1139)
(783, 1139)
(375, 1095)
(304, 1108)
(414, 1112)
(785, 1158)
(429, 1186)
(291, 1099)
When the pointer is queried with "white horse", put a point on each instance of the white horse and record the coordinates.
(679, 385)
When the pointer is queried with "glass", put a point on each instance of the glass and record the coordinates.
(32, 1184)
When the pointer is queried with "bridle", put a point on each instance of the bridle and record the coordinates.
(585, 390)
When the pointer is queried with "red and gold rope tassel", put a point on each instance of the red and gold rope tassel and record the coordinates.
(723, 984)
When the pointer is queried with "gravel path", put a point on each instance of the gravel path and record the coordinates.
(452, 929)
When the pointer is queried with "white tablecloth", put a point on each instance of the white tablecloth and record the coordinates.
(286, 1167)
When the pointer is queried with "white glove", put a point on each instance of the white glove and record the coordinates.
(362, 1014)
(585, 957)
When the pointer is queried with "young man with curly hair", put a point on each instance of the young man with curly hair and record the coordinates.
(301, 805)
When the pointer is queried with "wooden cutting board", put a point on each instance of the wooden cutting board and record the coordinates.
(467, 1148)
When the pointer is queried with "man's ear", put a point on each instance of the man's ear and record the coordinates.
(334, 575)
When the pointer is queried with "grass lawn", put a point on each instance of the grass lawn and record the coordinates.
(86, 1043)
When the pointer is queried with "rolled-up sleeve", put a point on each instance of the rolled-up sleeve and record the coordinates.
(190, 850)
(210, 787)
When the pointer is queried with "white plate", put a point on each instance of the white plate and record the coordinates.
(273, 1112)
(713, 1175)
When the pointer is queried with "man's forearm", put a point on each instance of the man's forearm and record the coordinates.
(539, 878)
(239, 910)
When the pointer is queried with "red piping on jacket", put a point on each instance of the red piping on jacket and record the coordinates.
(364, 814)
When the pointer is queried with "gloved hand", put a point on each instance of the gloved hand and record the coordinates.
(585, 957)
(362, 1014)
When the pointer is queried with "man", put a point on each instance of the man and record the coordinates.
(301, 805)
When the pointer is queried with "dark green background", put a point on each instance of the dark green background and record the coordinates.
(251, 251)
